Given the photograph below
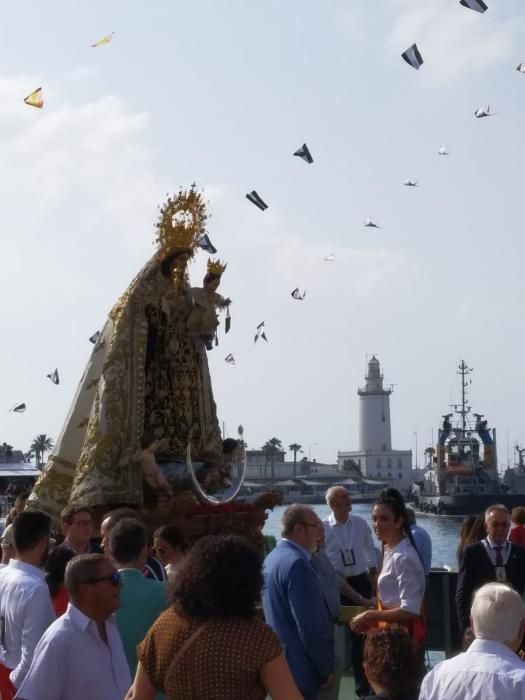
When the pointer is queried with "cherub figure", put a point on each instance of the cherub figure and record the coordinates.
(203, 320)
(151, 471)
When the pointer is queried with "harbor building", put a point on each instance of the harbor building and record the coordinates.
(375, 458)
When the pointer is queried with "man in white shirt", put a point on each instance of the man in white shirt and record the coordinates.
(25, 605)
(350, 548)
(490, 668)
(81, 656)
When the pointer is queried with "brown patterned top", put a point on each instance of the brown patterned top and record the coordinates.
(223, 663)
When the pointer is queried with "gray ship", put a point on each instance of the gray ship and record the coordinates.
(462, 477)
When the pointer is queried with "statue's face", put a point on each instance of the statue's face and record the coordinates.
(180, 262)
(213, 285)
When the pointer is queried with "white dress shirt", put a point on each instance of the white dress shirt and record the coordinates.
(486, 671)
(350, 541)
(25, 614)
(72, 662)
(401, 583)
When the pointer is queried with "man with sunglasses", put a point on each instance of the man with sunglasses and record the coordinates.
(80, 656)
(293, 601)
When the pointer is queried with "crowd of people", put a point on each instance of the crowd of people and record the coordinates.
(136, 617)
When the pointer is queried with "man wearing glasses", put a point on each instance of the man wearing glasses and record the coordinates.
(293, 602)
(77, 526)
(80, 656)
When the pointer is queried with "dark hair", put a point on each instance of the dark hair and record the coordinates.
(391, 662)
(29, 527)
(518, 515)
(478, 531)
(229, 445)
(394, 500)
(127, 540)
(210, 276)
(221, 577)
(55, 568)
(173, 536)
(71, 510)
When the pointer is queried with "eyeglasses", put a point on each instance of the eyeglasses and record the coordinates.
(115, 579)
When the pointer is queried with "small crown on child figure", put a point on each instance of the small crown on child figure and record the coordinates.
(216, 267)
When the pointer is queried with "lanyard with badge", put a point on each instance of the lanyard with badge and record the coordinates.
(499, 567)
(345, 543)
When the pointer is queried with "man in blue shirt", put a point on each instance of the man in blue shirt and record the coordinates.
(294, 605)
(422, 540)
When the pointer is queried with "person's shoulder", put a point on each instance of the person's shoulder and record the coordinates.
(473, 549)
(517, 551)
(358, 520)
(60, 632)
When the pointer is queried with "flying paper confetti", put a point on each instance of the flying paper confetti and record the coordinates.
(410, 183)
(104, 40)
(443, 151)
(18, 408)
(477, 5)
(254, 198)
(296, 294)
(304, 153)
(54, 377)
(521, 68)
(35, 99)
(413, 57)
(230, 359)
(480, 113)
(330, 257)
(260, 333)
(371, 224)
(207, 245)
(94, 338)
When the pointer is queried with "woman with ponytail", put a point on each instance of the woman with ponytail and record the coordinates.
(401, 583)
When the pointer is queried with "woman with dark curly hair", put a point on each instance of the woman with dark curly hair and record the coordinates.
(210, 643)
(391, 665)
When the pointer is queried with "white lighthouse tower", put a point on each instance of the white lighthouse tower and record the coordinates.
(376, 459)
(374, 412)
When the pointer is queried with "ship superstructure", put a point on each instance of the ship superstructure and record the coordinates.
(462, 471)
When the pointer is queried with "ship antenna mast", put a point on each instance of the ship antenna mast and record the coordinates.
(464, 370)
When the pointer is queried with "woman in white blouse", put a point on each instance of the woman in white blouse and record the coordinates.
(401, 583)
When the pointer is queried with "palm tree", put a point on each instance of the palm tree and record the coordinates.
(270, 448)
(295, 448)
(40, 445)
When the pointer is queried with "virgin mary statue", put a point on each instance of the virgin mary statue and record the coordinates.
(146, 377)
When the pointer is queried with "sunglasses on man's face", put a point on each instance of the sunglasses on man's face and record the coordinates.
(115, 579)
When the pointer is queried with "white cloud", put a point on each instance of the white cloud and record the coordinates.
(453, 40)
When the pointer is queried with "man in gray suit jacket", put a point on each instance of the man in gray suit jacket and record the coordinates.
(294, 605)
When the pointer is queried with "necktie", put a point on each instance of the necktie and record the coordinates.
(499, 557)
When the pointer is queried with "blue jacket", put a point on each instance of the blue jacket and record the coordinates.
(295, 609)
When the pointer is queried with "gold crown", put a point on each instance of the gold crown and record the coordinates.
(215, 267)
(182, 222)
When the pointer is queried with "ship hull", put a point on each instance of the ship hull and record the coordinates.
(467, 504)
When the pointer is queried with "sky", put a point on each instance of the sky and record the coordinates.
(222, 92)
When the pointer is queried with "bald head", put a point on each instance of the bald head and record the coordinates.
(340, 502)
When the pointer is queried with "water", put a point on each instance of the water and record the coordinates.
(443, 531)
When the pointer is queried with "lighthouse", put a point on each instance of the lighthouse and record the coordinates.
(377, 462)
(374, 412)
